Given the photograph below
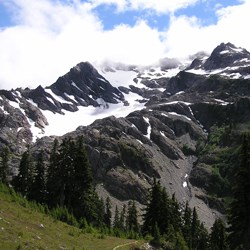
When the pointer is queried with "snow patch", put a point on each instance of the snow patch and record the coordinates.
(146, 119)
(173, 113)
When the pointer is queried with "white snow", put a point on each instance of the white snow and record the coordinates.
(139, 141)
(222, 102)
(73, 84)
(61, 124)
(157, 72)
(162, 133)
(184, 184)
(225, 52)
(4, 111)
(178, 93)
(101, 79)
(146, 119)
(120, 77)
(174, 113)
(197, 71)
(175, 102)
(14, 104)
(56, 97)
(163, 114)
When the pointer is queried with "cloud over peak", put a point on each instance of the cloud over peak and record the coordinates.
(49, 37)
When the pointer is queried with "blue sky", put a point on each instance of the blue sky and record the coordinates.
(54, 35)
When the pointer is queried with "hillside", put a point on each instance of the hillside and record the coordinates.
(23, 226)
(176, 122)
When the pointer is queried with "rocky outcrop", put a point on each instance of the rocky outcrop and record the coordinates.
(158, 141)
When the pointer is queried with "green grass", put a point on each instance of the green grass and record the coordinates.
(22, 226)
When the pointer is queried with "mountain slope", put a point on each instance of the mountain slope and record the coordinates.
(22, 225)
(139, 123)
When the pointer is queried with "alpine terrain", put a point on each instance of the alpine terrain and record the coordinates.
(177, 123)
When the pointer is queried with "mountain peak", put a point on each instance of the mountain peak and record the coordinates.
(226, 55)
(85, 67)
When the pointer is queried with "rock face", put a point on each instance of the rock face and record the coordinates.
(86, 85)
(160, 140)
(227, 60)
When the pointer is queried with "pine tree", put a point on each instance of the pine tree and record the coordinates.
(38, 187)
(116, 222)
(218, 236)
(132, 218)
(175, 218)
(53, 177)
(187, 221)
(203, 237)
(122, 224)
(23, 181)
(239, 216)
(153, 211)
(194, 229)
(108, 214)
(4, 164)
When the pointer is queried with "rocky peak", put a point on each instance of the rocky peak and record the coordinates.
(86, 85)
(226, 55)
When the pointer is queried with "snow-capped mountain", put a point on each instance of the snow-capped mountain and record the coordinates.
(226, 60)
(137, 122)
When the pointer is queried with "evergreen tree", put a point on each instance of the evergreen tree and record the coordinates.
(165, 214)
(153, 211)
(187, 221)
(132, 218)
(175, 218)
(23, 181)
(38, 187)
(53, 176)
(194, 230)
(218, 236)
(116, 222)
(203, 237)
(122, 219)
(4, 164)
(108, 214)
(239, 216)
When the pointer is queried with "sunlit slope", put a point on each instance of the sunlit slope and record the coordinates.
(22, 226)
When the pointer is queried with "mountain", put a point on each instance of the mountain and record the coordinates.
(142, 122)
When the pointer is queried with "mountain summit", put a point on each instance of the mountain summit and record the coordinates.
(169, 121)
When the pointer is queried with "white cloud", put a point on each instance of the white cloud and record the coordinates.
(38, 50)
(160, 6)
(50, 37)
(187, 35)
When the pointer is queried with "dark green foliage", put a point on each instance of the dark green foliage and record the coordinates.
(116, 222)
(132, 218)
(53, 176)
(62, 214)
(195, 226)
(69, 179)
(218, 238)
(187, 221)
(4, 164)
(161, 210)
(108, 214)
(122, 218)
(187, 150)
(38, 187)
(157, 238)
(23, 181)
(239, 216)
(170, 226)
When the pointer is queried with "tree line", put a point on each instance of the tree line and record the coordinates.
(65, 183)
